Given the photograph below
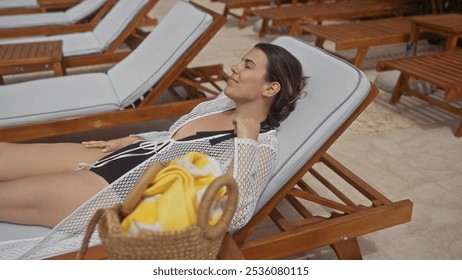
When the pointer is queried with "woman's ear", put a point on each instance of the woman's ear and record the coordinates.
(272, 89)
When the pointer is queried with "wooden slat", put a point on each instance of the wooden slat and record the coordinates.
(443, 69)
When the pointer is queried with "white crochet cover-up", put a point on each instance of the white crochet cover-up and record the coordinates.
(254, 162)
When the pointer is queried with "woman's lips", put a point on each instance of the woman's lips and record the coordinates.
(232, 79)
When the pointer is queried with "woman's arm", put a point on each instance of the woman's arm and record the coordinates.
(252, 166)
(112, 145)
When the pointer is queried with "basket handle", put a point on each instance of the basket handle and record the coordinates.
(212, 232)
(134, 196)
(89, 232)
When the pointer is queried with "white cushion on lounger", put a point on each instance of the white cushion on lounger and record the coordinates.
(56, 98)
(18, 4)
(96, 41)
(31, 20)
(70, 16)
(83, 9)
(73, 44)
(116, 20)
(127, 81)
(334, 90)
(133, 76)
(13, 231)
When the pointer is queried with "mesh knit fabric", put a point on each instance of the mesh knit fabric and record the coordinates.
(253, 165)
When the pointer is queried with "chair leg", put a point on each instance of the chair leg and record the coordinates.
(347, 249)
(360, 56)
(244, 16)
(459, 130)
(396, 95)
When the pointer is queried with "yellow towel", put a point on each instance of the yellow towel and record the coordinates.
(172, 199)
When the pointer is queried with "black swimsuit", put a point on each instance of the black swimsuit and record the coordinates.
(113, 169)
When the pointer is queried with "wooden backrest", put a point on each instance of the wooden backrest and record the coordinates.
(121, 21)
(334, 91)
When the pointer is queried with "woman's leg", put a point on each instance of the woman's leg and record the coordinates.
(25, 160)
(47, 199)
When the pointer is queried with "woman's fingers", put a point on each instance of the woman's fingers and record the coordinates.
(97, 144)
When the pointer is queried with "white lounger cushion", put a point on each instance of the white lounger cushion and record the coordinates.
(334, 90)
(75, 95)
(18, 4)
(56, 98)
(74, 44)
(136, 74)
(70, 16)
(96, 41)
(32, 20)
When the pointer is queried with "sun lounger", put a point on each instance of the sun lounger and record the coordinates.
(361, 35)
(61, 105)
(331, 211)
(293, 16)
(101, 44)
(161, 57)
(13, 7)
(336, 94)
(444, 70)
(73, 15)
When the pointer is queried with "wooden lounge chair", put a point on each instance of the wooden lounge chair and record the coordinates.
(245, 5)
(161, 57)
(96, 100)
(361, 35)
(331, 211)
(248, 6)
(13, 7)
(89, 11)
(336, 95)
(100, 44)
(293, 16)
(444, 70)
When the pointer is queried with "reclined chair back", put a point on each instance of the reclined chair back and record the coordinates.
(333, 92)
(73, 15)
(117, 20)
(84, 9)
(158, 52)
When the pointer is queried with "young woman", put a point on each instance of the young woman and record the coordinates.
(42, 184)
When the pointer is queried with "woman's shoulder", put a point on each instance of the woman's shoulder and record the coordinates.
(268, 138)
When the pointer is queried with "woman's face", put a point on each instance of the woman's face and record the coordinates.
(247, 81)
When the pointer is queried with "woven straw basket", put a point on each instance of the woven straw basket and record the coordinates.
(197, 242)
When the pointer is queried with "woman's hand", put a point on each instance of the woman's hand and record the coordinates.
(111, 145)
(246, 127)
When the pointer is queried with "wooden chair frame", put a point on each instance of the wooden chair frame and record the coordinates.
(130, 35)
(443, 70)
(361, 35)
(340, 230)
(295, 15)
(347, 221)
(144, 111)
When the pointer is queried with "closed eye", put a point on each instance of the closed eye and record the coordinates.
(249, 63)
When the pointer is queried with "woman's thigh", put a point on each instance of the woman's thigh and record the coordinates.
(25, 160)
(47, 199)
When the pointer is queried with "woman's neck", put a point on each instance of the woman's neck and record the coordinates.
(255, 110)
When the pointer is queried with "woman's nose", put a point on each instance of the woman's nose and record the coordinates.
(235, 68)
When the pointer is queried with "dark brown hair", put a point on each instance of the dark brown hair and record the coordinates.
(285, 69)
